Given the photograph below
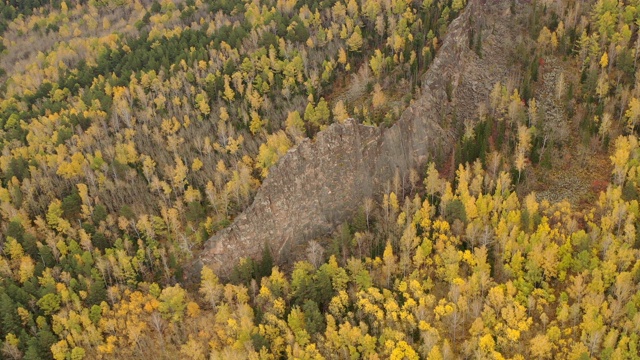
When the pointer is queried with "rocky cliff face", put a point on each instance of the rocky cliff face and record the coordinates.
(322, 182)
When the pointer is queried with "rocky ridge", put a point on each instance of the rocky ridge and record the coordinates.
(323, 181)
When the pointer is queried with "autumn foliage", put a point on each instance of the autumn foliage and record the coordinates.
(132, 131)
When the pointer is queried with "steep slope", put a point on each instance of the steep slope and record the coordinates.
(321, 182)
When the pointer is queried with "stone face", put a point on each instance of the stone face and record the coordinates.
(322, 182)
(313, 187)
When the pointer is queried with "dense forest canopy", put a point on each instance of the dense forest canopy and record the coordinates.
(132, 131)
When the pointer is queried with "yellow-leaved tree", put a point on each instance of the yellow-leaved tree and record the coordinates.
(277, 145)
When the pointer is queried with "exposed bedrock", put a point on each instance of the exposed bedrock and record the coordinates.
(322, 182)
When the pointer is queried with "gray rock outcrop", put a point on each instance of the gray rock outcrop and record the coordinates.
(322, 182)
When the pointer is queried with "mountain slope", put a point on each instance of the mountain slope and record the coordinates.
(323, 182)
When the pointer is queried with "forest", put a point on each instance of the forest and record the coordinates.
(131, 131)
